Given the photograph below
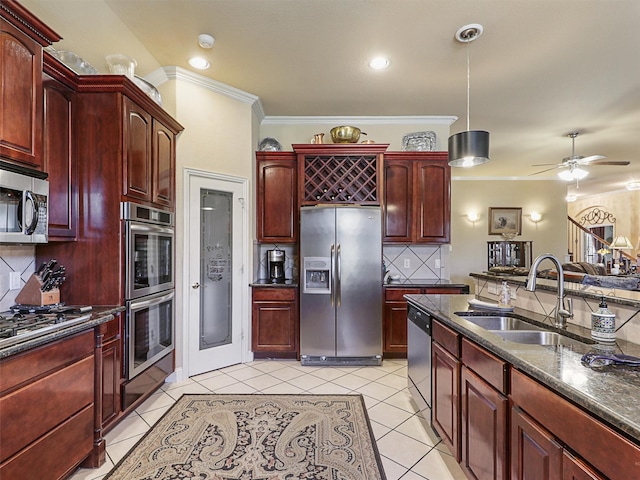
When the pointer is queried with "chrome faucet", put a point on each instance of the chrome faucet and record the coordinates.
(561, 313)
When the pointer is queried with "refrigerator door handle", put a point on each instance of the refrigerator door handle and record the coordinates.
(332, 276)
(339, 277)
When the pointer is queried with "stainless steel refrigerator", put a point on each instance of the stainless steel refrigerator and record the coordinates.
(341, 290)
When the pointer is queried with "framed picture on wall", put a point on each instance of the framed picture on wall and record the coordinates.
(505, 220)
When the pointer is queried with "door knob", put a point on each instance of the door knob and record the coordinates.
(195, 285)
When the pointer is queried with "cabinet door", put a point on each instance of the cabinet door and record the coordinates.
(432, 214)
(274, 320)
(277, 198)
(21, 97)
(111, 376)
(395, 329)
(446, 397)
(59, 160)
(164, 161)
(398, 201)
(137, 152)
(484, 429)
(575, 469)
(534, 451)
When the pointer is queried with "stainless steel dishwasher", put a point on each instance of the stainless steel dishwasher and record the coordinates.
(419, 357)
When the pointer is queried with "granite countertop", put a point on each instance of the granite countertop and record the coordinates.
(611, 393)
(99, 315)
(424, 282)
(265, 282)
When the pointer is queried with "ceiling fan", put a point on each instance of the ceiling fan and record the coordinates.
(574, 162)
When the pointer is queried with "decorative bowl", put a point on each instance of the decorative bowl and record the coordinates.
(268, 144)
(346, 134)
(419, 142)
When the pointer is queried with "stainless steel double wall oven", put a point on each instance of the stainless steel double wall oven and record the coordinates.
(149, 285)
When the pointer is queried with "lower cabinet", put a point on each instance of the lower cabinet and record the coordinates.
(445, 377)
(483, 414)
(47, 408)
(275, 328)
(111, 370)
(394, 316)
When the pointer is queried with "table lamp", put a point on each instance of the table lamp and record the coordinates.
(619, 243)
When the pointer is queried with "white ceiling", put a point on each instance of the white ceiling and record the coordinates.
(542, 68)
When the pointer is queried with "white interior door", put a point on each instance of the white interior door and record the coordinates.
(216, 273)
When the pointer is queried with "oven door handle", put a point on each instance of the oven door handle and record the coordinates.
(138, 304)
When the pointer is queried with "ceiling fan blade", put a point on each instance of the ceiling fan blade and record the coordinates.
(542, 171)
(546, 164)
(590, 159)
(609, 162)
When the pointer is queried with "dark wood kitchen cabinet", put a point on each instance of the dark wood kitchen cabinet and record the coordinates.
(22, 37)
(274, 322)
(149, 159)
(417, 198)
(110, 373)
(59, 159)
(394, 316)
(445, 378)
(553, 438)
(484, 413)
(277, 216)
(47, 405)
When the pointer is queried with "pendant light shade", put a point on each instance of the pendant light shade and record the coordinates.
(470, 148)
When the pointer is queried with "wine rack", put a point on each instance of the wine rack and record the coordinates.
(340, 174)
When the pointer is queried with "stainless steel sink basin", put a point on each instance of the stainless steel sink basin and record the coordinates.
(499, 322)
(540, 337)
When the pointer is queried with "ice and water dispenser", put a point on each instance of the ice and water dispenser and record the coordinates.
(317, 275)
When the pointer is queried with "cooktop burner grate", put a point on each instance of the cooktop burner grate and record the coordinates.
(19, 326)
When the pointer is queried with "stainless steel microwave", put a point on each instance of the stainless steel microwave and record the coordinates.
(24, 209)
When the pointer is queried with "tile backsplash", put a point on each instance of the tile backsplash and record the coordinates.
(417, 262)
(14, 258)
(290, 260)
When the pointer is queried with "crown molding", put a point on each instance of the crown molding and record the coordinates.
(164, 74)
(361, 120)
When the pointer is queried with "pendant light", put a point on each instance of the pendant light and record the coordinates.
(471, 147)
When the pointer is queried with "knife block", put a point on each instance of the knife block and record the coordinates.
(32, 294)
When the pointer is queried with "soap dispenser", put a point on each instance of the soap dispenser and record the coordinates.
(505, 296)
(603, 324)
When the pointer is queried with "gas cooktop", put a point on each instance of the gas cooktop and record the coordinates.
(23, 322)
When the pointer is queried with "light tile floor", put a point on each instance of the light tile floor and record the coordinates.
(409, 448)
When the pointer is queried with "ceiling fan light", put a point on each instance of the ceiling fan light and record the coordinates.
(573, 174)
(633, 186)
(470, 148)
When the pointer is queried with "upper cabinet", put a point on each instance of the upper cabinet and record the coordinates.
(145, 165)
(417, 198)
(22, 37)
(277, 197)
(347, 173)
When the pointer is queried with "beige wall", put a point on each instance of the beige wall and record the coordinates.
(469, 241)
(625, 208)
(379, 129)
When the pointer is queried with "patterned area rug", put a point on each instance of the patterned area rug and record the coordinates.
(252, 437)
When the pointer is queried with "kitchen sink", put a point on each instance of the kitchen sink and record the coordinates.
(540, 337)
(499, 322)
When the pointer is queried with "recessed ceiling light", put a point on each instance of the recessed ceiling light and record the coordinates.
(379, 63)
(199, 63)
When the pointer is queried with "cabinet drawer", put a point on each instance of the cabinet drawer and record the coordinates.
(589, 438)
(57, 452)
(396, 294)
(446, 337)
(272, 294)
(25, 366)
(51, 401)
(492, 369)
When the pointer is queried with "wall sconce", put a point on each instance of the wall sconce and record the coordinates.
(535, 217)
(473, 217)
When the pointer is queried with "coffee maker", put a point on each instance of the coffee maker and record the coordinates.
(275, 265)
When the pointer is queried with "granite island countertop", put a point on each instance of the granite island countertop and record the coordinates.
(425, 282)
(610, 394)
(99, 315)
